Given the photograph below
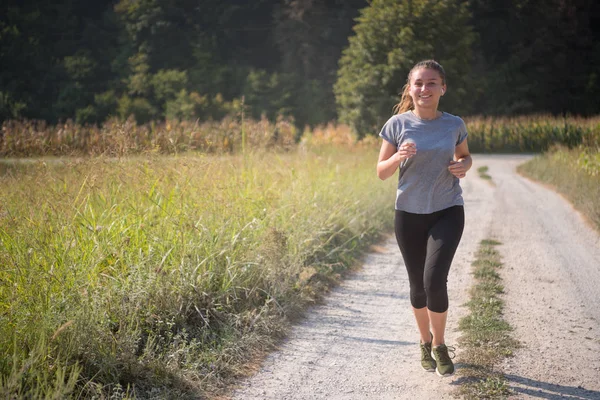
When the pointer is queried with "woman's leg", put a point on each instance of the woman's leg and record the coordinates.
(444, 237)
(412, 235)
(438, 326)
(422, 317)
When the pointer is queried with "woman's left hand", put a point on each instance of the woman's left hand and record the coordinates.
(458, 169)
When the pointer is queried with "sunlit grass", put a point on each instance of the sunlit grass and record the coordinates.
(575, 173)
(532, 133)
(119, 138)
(161, 275)
(486, 336)
(155, 276)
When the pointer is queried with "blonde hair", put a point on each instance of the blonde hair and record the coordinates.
(406, 102)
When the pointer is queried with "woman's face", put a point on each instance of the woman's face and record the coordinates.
(426, 88)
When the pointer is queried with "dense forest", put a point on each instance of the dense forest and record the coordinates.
(311, 60)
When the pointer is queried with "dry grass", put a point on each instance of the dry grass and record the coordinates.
(120, 138)
(161, 276)
(575, 173)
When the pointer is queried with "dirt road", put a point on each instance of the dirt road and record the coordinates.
(363, 343)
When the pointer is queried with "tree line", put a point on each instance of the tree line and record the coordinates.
(311, 60)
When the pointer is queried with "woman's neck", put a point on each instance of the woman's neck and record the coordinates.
(427, 113)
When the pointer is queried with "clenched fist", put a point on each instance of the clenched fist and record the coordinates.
(458, 169)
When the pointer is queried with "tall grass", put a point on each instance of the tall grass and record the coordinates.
(119, 138)
(573, 172)
(532, 133)
(157, 277)
(486, 134)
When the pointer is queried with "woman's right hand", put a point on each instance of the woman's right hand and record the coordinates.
(390, 157)
(406, 150)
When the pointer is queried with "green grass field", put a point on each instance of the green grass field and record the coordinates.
(162, 275)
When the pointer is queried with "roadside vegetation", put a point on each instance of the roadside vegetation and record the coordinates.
(482, 171)
(124, 137)
(486, 337)
(115, 137)
(156, 260)
(532, 133)
(159, 276)
(575, 173)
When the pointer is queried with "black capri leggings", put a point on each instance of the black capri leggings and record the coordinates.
(428, 243)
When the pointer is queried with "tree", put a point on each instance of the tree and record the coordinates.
(537, 55)
(310, 36)
(392, 36)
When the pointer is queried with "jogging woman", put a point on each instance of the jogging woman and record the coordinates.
(430, 149)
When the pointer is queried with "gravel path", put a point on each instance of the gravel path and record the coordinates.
(552, 280)
(363, 343)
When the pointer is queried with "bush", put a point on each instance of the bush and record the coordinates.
(138, 107)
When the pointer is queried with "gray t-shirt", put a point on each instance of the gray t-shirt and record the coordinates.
(425, 185)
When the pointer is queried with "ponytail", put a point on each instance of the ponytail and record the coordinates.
(406, 102)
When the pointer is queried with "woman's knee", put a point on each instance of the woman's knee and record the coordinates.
(418, 298)
(437, 301)
(437, 295)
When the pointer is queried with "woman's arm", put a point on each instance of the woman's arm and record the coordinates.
(463, 161)
(390, 159)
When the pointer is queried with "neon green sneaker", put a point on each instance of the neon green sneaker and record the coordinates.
(444, 364)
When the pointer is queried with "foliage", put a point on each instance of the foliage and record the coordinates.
(54, 57)
(138, 107)
(392, 36)
(265, 91)
(310, 36)
(537, 56)
(9, 108)
(157, 277)
(168, 83)
(166, 58)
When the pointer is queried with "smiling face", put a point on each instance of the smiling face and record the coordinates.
(426, 88)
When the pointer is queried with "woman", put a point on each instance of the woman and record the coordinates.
(430, 148)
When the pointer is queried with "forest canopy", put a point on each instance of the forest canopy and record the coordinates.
(313, 61)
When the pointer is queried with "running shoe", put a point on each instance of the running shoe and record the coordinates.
(444, 364)
(427, 362)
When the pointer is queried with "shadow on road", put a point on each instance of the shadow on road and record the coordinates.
(521, 386)
(545, 390)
